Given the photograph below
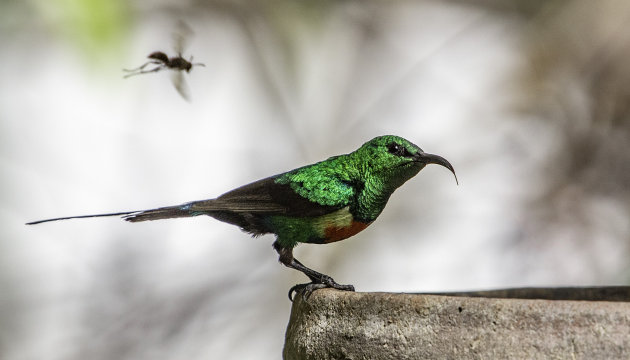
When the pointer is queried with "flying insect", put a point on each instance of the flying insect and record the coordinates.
(176, 63)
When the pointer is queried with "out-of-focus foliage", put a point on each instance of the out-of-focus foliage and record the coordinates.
(95, 27)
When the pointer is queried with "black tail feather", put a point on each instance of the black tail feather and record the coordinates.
(82, 217)
(132, 216)
(168, 212)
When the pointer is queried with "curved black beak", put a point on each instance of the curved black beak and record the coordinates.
(435, 159)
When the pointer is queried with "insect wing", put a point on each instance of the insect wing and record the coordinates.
(181, 35)
(177, 77)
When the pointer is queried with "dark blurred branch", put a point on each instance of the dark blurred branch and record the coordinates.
(578, 83)
(521, 8)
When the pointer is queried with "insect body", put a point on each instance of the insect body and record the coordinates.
(162, 61)
(176, 63)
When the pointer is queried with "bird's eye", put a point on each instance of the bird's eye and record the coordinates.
(396, 149)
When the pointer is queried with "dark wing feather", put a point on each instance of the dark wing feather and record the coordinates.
(264, 197)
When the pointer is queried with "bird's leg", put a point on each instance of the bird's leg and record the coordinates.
(318, 280)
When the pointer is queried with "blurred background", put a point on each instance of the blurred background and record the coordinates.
(529, 100)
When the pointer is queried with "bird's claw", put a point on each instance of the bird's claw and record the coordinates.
(308, 288)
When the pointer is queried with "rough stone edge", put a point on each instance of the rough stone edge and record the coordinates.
(327, 305)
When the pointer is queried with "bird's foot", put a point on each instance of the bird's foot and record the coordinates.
(324, 282)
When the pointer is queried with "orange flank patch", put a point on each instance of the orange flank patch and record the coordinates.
(334, 233)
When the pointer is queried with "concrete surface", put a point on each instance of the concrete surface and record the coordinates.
(514, 323)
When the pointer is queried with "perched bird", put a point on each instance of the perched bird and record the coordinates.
(317, 204)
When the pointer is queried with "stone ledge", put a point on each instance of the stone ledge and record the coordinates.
(585, 323)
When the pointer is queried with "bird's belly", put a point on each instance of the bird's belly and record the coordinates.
(323, 229)
(335, 233)
(337, 226)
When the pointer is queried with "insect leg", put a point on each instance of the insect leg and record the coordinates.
(140, 71)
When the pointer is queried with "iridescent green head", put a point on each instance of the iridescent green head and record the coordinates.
(396, 160)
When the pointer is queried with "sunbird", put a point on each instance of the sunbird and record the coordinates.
(320, 203)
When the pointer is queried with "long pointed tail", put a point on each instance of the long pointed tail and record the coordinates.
(134, 216)
(168, 212)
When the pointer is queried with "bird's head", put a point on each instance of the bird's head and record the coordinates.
(396, 160)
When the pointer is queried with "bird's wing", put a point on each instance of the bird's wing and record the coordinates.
(269, 197)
